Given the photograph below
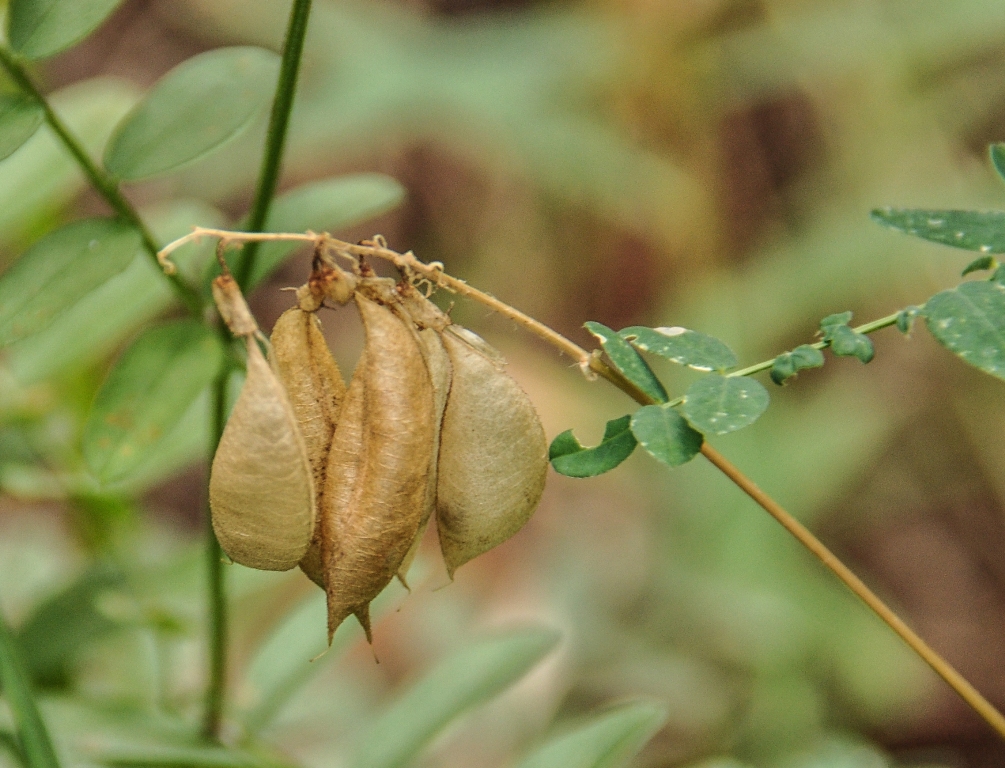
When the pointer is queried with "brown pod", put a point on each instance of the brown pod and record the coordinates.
(315, 387)
(368, 530)
(438, 365)
(493, 453)
(261, 491)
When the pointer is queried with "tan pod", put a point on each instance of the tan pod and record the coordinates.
(261, 492)
(315, 388)
(369, 529)
(493, 453)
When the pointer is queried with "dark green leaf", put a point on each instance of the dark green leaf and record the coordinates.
(690, 348)
(456, 685)
(147, 392)
(788, 364)
(569, 457)
(36, 745)
(665, 435)
(906, 317)
(719, 404)
(20, 117)
(628, 361)
(605, 741)
(979, 264)
(62, 626)
(982, 231)
(58, 270)
(829, 323)
(40, 28)
(970, 321)
(997, 152)
(847, 342)
(193, 109)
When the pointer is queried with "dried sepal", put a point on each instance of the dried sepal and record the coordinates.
(373, 506)
(232, 306)
(493, 454)
(261, 491)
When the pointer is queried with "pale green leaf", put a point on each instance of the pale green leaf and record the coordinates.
(969, 320)
(665, 435)
(605, 741)
(691, 348)
(628, 361)
(569, 457)
(193, 109)
(59, 269)
(982, 231)
(719, 404)
(40, 28)
(20, 117)
(147, 392)
(456, 685)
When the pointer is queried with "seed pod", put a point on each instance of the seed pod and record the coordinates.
(315, 388)
(368, 530)
(438, 365)
(493, 453)
(261, 492)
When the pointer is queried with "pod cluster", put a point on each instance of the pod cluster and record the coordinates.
(343, 481)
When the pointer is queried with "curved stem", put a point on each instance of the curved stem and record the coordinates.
(102, 182)
(275, 140)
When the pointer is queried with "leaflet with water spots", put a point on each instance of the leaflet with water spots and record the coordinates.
(969, 320)
(720, 404)
(982, 231)
(690, 348)
(628, 361)
(665, 435)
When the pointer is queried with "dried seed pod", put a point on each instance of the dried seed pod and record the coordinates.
(493, 453)
(261, 492)
(438, 365)
(315, 388)
(368, 529)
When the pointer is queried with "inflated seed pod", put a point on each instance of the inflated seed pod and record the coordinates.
(261, 491)
(438, 365)
(493, 453)
(386, 453)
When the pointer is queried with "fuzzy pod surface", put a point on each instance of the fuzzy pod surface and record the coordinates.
(261, 490)
(493, 455)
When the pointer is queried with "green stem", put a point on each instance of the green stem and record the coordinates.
(34, 742)
(275, 140)
(213, 714)
(103, 182)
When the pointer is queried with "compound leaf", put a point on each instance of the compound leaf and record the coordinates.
(192, 110)
(20, 117)
(665, 435)
(59, 269)
(628, 361)
(146, 393)
(40, 28)
(721, 404)
(982, 231)
(691, 348)
(969, 320)
(569, 457)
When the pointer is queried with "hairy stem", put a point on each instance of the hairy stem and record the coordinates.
(102, 182)
(275, 141)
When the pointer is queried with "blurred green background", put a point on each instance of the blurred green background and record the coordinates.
(704, 163)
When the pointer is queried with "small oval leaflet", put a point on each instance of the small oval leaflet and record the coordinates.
(570, 458)
(628, 361)
(691, 348)
(981, 231)
(20, 117)
(40, 28)
(718, 404)
(665, 435)
(969, 320)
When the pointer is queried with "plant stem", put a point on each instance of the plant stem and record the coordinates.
(102, 182)
(32, 736)
(213, 712)
(275, 140)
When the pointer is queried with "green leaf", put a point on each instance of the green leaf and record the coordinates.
(181, 756)
(969, 320)
(321, 206)
(665, 435)
(788, 364)
(569, 457)
(979, 264)
(59, 269)
(847, 342)
(146, 393)
(193, 109)
(906, 317)
(456, 685)
(690, 348)
(628, 361)
(982, 231)
(605, 741)
(35, 743)
(40, 28)
(720, 404)
(997, 152)
(20, 117)
(829, 323)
